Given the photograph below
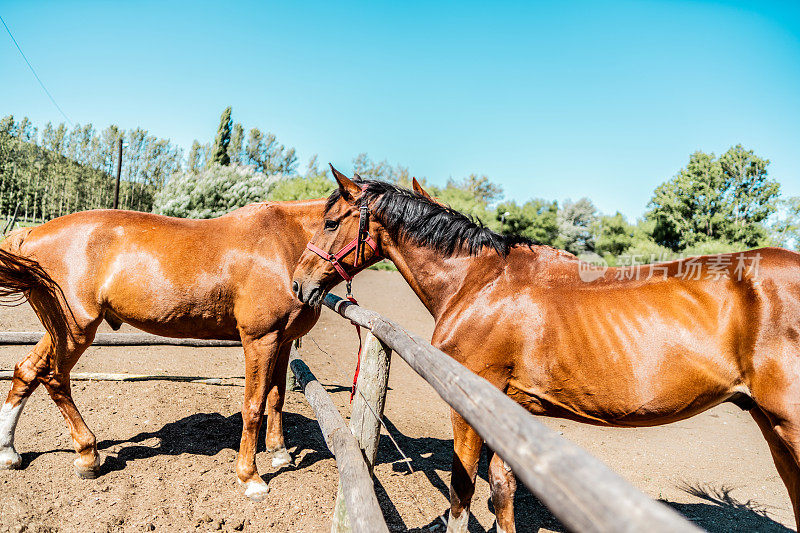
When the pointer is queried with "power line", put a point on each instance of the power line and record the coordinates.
(34, 73)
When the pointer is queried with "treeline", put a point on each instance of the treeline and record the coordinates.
(59, 170)
(713, 204)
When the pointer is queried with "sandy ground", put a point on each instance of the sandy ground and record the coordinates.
(169, 448)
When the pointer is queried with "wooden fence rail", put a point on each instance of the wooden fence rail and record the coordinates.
(119, 339)
(363, 511)
(580, 490)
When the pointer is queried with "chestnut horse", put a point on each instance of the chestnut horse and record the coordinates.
(620, 347)
(225, 278)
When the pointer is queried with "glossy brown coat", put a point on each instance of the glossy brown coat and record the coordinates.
(624, 349)
(225, 278)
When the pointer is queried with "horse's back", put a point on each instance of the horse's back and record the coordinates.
(170, 276)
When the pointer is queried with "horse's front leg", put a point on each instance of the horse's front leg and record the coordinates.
(503, 485)
(259, 359)
(277, 393)
(467, 446)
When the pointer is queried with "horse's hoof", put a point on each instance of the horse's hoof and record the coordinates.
(459, 523)
(87, 472)
(256, 490)
(281, 458)
(10, 459)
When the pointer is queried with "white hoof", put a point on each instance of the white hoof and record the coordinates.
(90, 472)
(256, 491)
(281, 458)
(9, 459)
(458, 524)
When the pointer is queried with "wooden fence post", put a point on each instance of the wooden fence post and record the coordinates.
(291, 380)
(369, 400)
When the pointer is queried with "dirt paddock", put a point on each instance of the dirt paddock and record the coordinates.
(169, 448)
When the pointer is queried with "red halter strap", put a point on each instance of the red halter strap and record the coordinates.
(355, 244)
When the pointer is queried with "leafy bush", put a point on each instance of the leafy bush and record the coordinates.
(302, 188)
(213, 191)
(714, 247)
(384, 265)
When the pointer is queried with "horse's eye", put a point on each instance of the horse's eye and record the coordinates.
(331, 224)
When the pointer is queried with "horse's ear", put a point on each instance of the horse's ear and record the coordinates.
(350, 190)
(419, 190)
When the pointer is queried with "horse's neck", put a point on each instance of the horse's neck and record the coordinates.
(434, 278)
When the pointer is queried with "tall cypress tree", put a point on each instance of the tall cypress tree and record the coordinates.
(235, 147)
(223, 138)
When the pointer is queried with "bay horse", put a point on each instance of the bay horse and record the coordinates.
(224, 278)
(611, 347)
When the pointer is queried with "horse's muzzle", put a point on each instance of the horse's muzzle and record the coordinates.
(308, 293)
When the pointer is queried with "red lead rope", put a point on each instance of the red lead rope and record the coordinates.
(358, 363)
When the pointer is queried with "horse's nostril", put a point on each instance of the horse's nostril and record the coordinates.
(295, 287)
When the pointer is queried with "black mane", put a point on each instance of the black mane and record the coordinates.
(406, 214)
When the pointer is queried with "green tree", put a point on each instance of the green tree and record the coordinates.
(576, 221)
(481, 187)
(614, 235)
(236, 147)
(536, 219)
(381, 170)
(223, 139)
(267, 155)
(750, 195)
(193, 162)
(723, 199)
(785, 229)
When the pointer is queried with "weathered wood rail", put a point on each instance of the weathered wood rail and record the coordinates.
(363, 511)
(120, 339)
(113, 376)
(581, 492)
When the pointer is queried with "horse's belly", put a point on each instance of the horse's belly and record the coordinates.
(184, 325)
(625, 399)
(174, 311)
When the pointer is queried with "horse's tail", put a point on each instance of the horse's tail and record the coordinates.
(21, 279)
(19, 276)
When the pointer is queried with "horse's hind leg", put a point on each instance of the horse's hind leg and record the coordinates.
(23, 384)
(277, 393)
(57, 384)
(784, 445)
(503, 485)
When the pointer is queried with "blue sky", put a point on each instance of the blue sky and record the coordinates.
(557, 100)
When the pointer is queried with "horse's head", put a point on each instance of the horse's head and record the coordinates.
(347, 242)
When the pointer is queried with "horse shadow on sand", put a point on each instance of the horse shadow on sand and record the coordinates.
(718, 512)
(209, 433)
